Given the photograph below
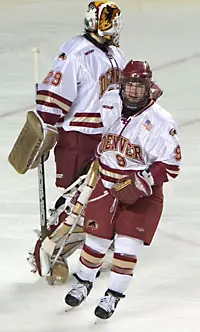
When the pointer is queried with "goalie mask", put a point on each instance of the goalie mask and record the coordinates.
(136, 81)
(104, 19)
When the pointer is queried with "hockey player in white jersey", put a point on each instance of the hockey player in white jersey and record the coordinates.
(138, 153)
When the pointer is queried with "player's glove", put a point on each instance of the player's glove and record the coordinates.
(136, 185)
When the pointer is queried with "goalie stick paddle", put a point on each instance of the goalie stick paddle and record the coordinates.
(41, 171)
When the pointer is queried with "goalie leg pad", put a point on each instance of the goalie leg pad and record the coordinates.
(75, 242)
(42, 260)
(59, 272)
(64, 229)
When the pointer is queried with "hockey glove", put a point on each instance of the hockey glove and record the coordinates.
(131, 188)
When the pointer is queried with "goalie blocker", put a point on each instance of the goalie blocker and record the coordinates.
(36, 139)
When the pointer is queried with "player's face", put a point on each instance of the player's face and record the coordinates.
(134, 91)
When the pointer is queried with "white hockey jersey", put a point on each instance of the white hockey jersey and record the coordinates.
(138, 142)
(71, 92)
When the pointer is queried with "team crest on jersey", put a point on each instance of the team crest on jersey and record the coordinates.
(148, 125)
(124, 120)
(62, 56)
(172, 132)
(92, 224)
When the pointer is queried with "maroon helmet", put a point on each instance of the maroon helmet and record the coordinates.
(137, 69)
(136, 81)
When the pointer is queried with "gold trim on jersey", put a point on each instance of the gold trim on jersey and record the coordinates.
(91, 120)
(111, 174)
(51, 100)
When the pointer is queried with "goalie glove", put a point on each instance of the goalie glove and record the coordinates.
(131, 188)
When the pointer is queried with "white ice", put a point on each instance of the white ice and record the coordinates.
(165, 291)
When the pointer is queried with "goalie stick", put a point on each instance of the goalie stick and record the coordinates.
(41, 171)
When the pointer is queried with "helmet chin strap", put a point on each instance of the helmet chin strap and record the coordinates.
(133, 110)
(130, 109)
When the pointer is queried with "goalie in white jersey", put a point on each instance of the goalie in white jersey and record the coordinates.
(138, 153)
(69, 96)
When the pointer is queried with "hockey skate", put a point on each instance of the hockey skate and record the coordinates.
(78, 293)
(108, 304)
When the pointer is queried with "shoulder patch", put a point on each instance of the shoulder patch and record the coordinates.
(148, 125)
(172, 132)
(62, 56)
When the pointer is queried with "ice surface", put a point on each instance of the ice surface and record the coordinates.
(165, 292)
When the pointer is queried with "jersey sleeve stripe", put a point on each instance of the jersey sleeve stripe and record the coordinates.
(163, 172)
(48, 98)
(54, 95)
(173, 174)
(52, 106)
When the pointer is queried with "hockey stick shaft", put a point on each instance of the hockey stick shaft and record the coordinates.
(42, 199)
(41, 170)
(64, 242)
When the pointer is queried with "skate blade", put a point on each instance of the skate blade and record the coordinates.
(69, 308)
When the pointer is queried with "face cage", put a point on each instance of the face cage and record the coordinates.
(136, 105)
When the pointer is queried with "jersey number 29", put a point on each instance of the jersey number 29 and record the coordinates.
(53, 78)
